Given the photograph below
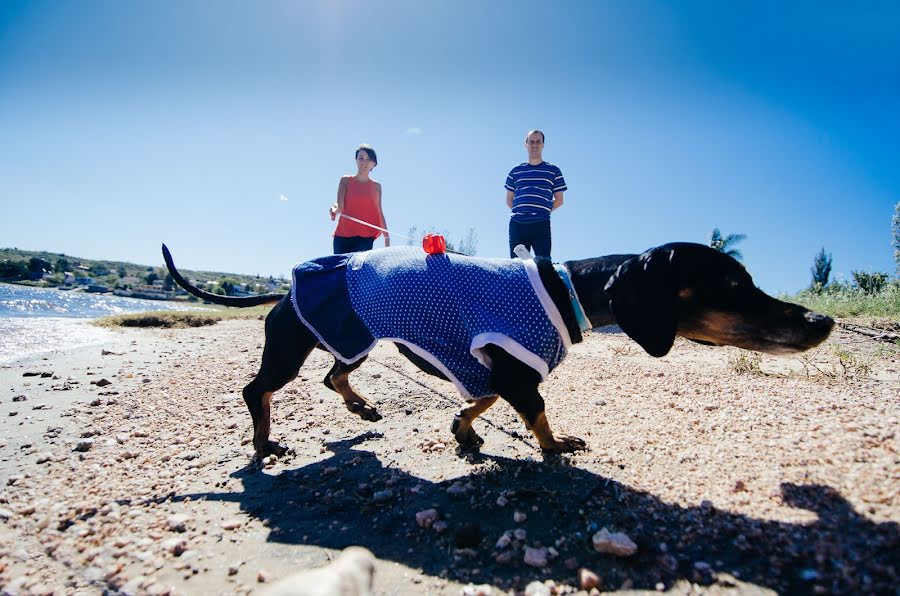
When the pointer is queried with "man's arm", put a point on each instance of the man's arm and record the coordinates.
(510, 195)
(557, 200)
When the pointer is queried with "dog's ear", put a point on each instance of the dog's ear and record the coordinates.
(642, 298)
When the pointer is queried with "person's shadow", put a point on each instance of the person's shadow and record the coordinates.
(351, 498)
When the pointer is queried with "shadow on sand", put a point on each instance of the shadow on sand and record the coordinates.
(352, 498)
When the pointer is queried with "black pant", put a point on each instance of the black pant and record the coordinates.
(345, 244)
(534, 236)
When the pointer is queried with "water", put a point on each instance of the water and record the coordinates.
(39, 320)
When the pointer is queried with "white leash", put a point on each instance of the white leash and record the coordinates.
(365, 223)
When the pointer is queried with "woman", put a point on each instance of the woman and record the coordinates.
(359, 197)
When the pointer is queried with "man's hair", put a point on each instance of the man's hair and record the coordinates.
(369, 151)
(531, 132)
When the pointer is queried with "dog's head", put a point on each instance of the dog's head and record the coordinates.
(699, 293)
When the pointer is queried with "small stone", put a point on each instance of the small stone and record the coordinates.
(177, 522)
(231, 524)
(536, 557)
(19, 398)
(587, 579)
(537, 588)
(383, 495)
(618, 544)
(175, 546)
(504, 541)
(457, 489)
(84, 445)
(426, 517)
(440, 526)
(43, 458)
(519, 517)
(262, 576)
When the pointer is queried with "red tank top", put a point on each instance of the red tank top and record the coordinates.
(361, 202)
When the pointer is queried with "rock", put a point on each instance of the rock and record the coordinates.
(457, 489)
(618, 544)
(175, 546)
(504, 541)
(177, 522)
(519, 517)
(231, 524)
(19, 398)
(5, 514)
(587, 579)
(43, 458)
(84, 445)
(383, 495)
(101, 382)
(536, 557)
(426, 517)
(482, 590)
(350, 574)
(537, 588)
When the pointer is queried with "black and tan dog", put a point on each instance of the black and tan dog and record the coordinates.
(677, 289)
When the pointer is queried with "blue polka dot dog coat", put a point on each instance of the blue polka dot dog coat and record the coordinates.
(445, 307)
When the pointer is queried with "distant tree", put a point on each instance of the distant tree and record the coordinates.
(13, 269)
(121, 272)
(219, 291)
(150, 278)
(36, 265)
(62, 265)
(821, 269)
(467, 245)
(227, 287)
(725, 244)
(168, 282)
(870, 283)
(895, 236)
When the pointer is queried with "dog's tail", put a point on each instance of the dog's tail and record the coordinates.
(215, 298)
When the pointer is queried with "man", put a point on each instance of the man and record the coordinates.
(533, 190)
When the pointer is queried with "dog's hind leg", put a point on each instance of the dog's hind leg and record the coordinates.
(338, 379)
(462, 422)
(288, 343)
(517, 383)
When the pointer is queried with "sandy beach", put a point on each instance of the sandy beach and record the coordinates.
(125, 468)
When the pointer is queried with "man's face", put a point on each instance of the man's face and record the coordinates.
(534, 144)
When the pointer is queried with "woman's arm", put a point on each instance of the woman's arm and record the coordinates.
(383, 224)
(338, 207)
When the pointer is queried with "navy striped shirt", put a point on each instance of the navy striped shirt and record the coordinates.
(534, 187)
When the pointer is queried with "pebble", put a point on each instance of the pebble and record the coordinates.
(536, 557)
(587, 579)
(426, 517)
(231, 524)
(537, 588)
(618, 544)
(177, 522)
(84, 445)
(519, 517)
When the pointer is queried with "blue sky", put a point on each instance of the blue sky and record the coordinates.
(126, 124)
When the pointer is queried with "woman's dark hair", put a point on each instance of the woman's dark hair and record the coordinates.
(369, 151)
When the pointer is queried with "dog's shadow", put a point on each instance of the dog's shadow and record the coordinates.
(352, 498)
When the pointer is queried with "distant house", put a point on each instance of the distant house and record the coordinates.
(68, 278)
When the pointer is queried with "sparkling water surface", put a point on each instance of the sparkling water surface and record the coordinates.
(41, 320)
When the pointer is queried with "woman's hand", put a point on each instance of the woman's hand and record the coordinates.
(333, 211)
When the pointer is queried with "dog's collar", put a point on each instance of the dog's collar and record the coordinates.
(583, 322)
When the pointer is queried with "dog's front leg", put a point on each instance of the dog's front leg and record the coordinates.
(338, 379)
(517, 383)
(462, 423)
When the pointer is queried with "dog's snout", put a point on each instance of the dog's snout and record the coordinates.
(819, 320)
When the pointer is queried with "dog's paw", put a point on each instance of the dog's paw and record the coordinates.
(270, 448)
(565, 444)
(467, 438)
(365, 411)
